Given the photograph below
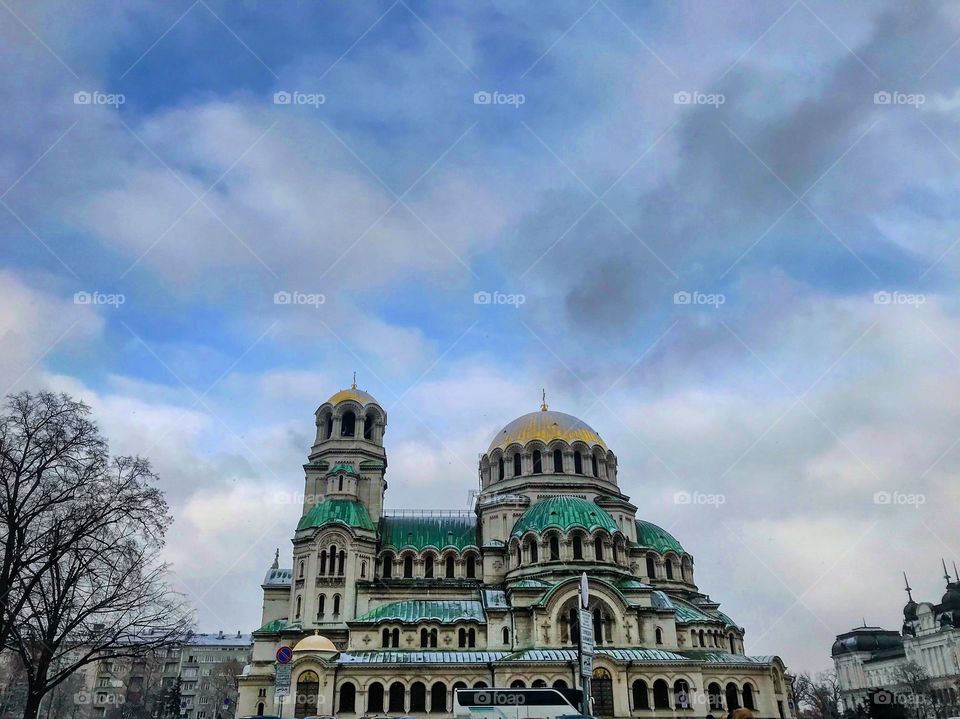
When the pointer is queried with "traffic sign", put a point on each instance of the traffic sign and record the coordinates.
(284, 655)
(586, 665)
(584, 591)
(586, 631)
(282, 680)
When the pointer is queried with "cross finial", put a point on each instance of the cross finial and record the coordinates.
(543, 402)
(354, 385)
(276, 559)
(908, 589)
(946, 574)
(955, 572)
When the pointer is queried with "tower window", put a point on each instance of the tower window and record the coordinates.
(517, 469)
(558, 461)
(340, 484)
(368, 427)
(336, 604)
(471, 567)
(329, 427)
(348, 424)
(428, 567)
(554, 548)
(386, 569)
(537, 462)
(500, 468)
(532, 549)
(408, 567)
(577, 548)
(333, 560)
(449, 566)
(321, 603)
(651, 567)
(577, 463)
(598, 548)
(593, 465)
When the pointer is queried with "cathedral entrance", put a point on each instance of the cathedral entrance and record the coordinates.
(308, 687)
(601, 689)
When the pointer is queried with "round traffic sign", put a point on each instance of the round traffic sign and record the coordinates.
(284, 655)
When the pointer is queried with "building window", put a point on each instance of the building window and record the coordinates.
(438, 698)
(641, 696)
(554, 548)
(333, 560)
(577, 463)
(668, 565)
(471, 567)
(321, 604)
(340, 484)
(428, 567)
(300, 569)
(518, 684)
(537, 462)
(348, 698)
(397, 696)
(532, 550)
(471, 637)
(593, 465)
(386, 569)
(517, 471)
(558, 461)
(681, 694)
(375, 698)
(500, 468)
(299, 605)
(449, 567)
(748, 702)
(462, 638)
(651, 567)
(506, 635)
(418, 697)
(323, 562)
(329, 427)
(385, 643)
(336, 604)
(348, 424)
(368, 427)
(659, 635)
(363, 570)
(661, 695)
(598, 549)
(408, 567)
(343, 561)
(577, 547)
(714, 698)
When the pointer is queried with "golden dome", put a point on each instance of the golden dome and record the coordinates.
(315, 643)
(357, 395)
(546, 425)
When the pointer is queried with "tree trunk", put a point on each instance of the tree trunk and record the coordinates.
(31, 709)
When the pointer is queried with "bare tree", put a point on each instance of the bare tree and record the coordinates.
(223, 688)
(85, 534)
(817, 697)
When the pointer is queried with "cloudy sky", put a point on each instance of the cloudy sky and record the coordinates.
(723, 234)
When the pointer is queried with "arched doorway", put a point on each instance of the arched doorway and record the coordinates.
(308, 687)
(601, 689)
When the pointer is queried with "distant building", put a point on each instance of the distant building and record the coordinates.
(870, 658)
(390, 612)
(209, 666)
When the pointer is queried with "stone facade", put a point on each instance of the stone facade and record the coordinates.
(389, 613)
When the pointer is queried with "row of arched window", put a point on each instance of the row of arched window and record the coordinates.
(466, 638)
(434, 567)
(673, 568)
(348, 425)
(321, 606)
(713, 638)
(533, 550)
(547, 462)
(718, 699)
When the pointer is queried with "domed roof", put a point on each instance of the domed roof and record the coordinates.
(910, 611)
(546, 425)
(563, 513)
(357, 395)
(866, 639)
(315, 643)
(951, 600)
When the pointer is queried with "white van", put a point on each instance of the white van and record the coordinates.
(516, 703)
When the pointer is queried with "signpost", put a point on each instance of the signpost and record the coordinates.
(586, 643)
(281, 683)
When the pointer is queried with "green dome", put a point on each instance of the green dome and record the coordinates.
(337, 511)
(650, 535)
(564, 513)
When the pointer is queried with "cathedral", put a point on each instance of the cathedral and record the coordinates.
(389, 612)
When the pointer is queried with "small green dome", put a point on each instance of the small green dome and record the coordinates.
(650, 535)
(564, 513)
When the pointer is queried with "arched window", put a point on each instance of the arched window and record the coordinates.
(506, 635)
(459, 685)
(333, 560)
(363, 570)
(299, 605)
(348, 424)
(558, 461)
(449, 567)
(343, 560)
(424, 639)
(681, 694)
(519, 555)
(714, 697)
(396, 698)
(471, 637)
(577, 463)
(577, 547)
(668, 565)
(554, 548)
(702, 643)
(573, 622)
(748, 702)
(340, 483)
(368, 426)
(733, 697)
(598, 626)
(329, 427)
(438, 698)
(433, 638)
(517, 684)
(641, 695)
(323, 562)
(321, 604)
(593, 465)
(480, 685)
(348, 698)
(375, 698)
(395, 638)
(300, 570)
(471, 567)
(598, 548)
(418, 697)
(616, 553)
(386, 639)
(260, 709)
(539, 684)
(659, 635)
(559, 684)
(500, 468)
(386, 568)
(336, 604)
(651, 567)
(733, 648)
(428, 567)
(517, 471)
(462, 638)
(532, 550)
(661, 695)
(537, 462)
(408, 567)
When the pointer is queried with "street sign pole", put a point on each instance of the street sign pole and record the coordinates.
(585, 645)
(281, 708)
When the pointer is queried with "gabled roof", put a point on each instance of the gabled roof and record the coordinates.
(418, 532)
(654, 537)
(564, 513)
(416, 610)
(348, 512)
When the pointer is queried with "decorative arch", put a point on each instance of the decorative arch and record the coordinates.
(641, 694)
(307, 693)
(347, 700)
(397, 698)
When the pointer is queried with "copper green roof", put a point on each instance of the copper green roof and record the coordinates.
(650, 535)
(421, 531)
(399, 656)
(337, 511)
(687, 614)
(563, 513)
(418, 610)
(342, 467)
